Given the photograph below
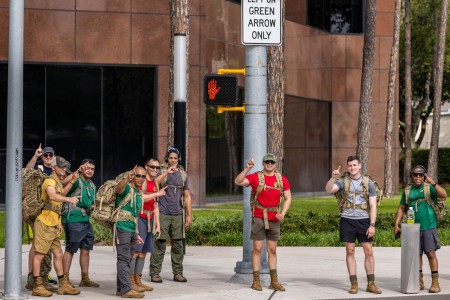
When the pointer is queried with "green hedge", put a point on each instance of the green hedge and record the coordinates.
(420, 157)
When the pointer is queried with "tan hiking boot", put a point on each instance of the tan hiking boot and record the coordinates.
(134, 286)
(39, 289)
(133, 294)
(421, 284)
(274, 284)
(353, 288)
(49, 286)
(434, 288)
(372, 288)
(138, 280)
(86, 281)
(179, 278)
(256, 285)
(65, 288)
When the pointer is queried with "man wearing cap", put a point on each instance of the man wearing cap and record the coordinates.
(76, 220)
(47, 229)
(46, 155)
(425, 215)
(268, 189)
(175, 215)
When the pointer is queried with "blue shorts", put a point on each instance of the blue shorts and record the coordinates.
(146, 236)
(354, 229)
(79, 235)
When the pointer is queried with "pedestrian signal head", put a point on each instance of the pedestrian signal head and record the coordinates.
(220, 90)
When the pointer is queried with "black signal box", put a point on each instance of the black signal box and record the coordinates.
(220, 90)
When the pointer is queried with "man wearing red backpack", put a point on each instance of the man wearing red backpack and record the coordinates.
(268, 189)
(423, 187)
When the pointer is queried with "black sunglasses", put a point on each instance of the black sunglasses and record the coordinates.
(154, 167)
(271, 162)
(418, 174)
(140, 176)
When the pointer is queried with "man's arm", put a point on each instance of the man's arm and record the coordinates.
(241, 179)
(120, 187)
(286, 205)
(188, 204)
(52, 194)
(331, 187)
(398, 218)
(33, 160)
(150, 196)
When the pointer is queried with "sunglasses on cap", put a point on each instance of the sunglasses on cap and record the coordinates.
(48, 155)
(139, 176)
(270, 162)
(154, 167)
(418, 174)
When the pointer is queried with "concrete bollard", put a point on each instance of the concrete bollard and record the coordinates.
(410, 258)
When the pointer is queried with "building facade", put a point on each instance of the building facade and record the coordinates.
(96, 83)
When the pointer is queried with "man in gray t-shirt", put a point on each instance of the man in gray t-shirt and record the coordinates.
(358, 216)
(171, 217)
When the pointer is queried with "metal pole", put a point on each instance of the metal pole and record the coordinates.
(255, 142)
(179, 77)
(13, 241)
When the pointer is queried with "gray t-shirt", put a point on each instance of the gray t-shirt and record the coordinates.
(170, 204)
(356, 185)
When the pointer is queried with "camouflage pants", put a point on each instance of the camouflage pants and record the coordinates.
(46, 264)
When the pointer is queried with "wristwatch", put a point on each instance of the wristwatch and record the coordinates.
(434, 184)
(372, 224)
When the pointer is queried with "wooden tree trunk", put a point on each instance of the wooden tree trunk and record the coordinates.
(179, 23)
(276, 100)
(408, 93)
(388, 186)
(365, 108)
(439, 68)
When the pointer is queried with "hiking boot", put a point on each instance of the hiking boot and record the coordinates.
(86, 281)
(372, 288)
(138, 280)
(134, 286)
(274, 284)
(48, 285)
(434, 288)
(256, 285)
(39, 289)
(421, 284)
(68, 279)
(133, 294)
(179, 278)
(30, 282)
(65, 288)
(156, 278)
(353, 288)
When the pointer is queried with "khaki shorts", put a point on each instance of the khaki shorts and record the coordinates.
(259, 233)
(46, 238)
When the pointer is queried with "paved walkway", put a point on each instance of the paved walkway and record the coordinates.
(306, 272)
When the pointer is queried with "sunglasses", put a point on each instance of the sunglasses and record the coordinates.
(140, 176)
(418, 174)
(269, 162)
(48, 155)
(154, 167)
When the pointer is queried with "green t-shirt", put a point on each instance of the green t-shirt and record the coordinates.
(424, 213)
(86, 200)
(133, 206)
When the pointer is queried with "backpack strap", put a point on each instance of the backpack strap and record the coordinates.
(262, 185)
(344, 203)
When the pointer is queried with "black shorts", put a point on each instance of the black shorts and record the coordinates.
(79, 235)
(354, 229)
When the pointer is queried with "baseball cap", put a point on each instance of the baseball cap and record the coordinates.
(61, 162)
(270, 156)
(48, 150)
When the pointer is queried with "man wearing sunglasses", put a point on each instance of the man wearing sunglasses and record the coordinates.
(46, 155)
(268, 189)
(425, 215)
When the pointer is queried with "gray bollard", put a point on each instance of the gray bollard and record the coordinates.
(410, 258)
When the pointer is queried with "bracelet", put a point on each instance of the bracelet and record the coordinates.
(435, 184)
(372, 224)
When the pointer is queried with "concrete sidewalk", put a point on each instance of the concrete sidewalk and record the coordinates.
(306, 272)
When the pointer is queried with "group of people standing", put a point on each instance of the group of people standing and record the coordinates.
(153, 203)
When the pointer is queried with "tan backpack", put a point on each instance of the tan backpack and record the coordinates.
(438, 207)
(31, 194)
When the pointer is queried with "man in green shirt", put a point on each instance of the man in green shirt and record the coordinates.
(76, 220)
(424, 214)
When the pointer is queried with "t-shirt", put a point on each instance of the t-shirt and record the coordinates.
(47, 170)
(49, 217)
(424, 213)
(133, 206)
(356, 186)
(86, 201)
(149, 205)
(268, 197)
(170, 204)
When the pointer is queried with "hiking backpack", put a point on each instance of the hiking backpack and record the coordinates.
(31, 194)
(438, 207)
(67, 207)
(341, 196)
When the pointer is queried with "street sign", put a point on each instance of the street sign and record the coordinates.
(220, 90)
(261, 22)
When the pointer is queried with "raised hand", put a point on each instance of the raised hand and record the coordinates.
(38, 151)
(251, 163)
(132, 173)
(162, 192)
(337, 173)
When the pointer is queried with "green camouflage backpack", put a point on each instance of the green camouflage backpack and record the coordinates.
(438, 207)
(341, 196)
(31, 194)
